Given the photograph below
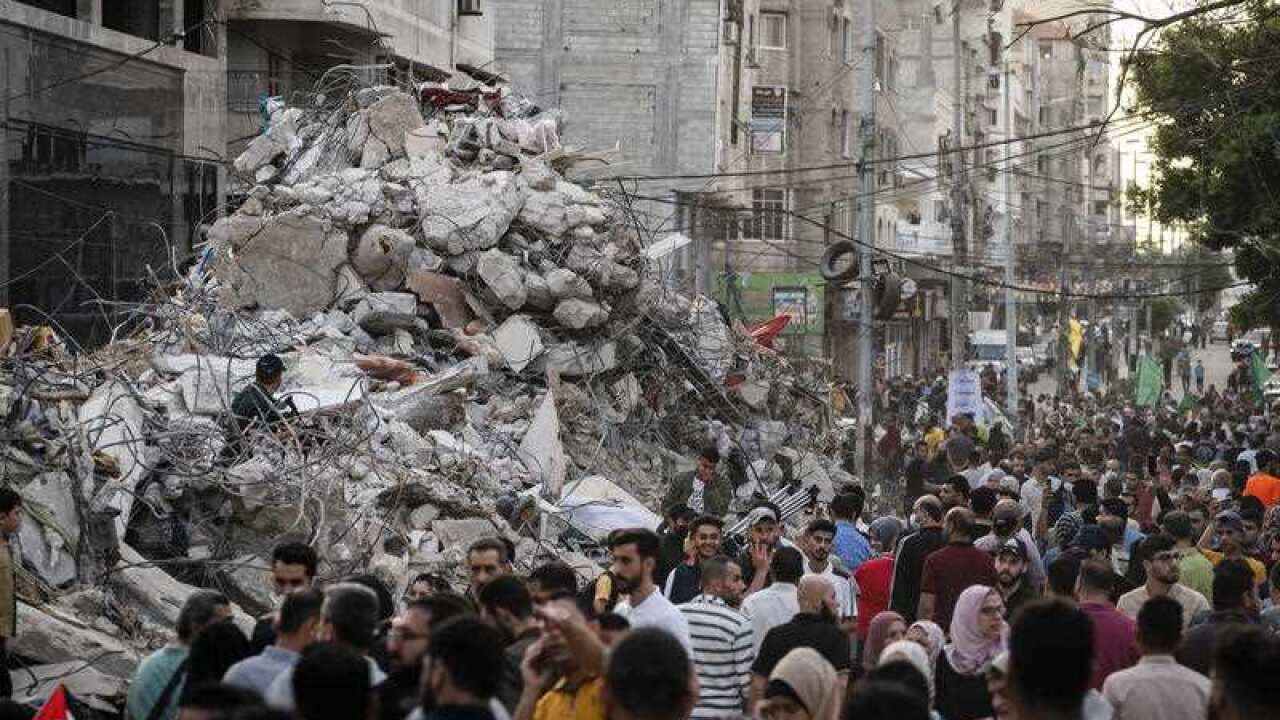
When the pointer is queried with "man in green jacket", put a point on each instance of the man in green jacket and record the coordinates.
(706, 492)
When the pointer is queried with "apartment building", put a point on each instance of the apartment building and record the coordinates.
(113, 116)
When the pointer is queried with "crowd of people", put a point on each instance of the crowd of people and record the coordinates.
(1112, 562)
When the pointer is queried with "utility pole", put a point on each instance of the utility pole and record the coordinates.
(867, 210)
(959, 304)
(1010, 277)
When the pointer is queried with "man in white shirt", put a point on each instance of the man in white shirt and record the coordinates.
(819, 537)
(778, 603)
(1162, 562)
(1158, 687)
(634, 556)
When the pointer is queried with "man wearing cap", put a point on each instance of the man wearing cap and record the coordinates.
(1006, 526)
(255, 405)
(1228, 526)
(764, 538)
(1011, 576)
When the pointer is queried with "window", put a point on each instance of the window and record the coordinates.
(773, 30)
(992, 118)
(846, 39)
(844, 133)
(768, 219)
(940, 213)
(768, 119)
(469, 7)
(833, 38)
(1099, 207)
(1044, 116)
(1046, 50)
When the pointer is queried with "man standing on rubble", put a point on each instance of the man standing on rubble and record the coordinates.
(10, 520)
(705, 492)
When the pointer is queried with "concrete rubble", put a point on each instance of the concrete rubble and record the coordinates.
(470, 341)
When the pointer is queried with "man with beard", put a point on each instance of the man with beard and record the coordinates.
(407, 644)
(765, 537)
(563, 670)
(487, 559)
(683, 582)
(1011, 576)
(1005, 526)
(723, 647)
(458, 670)
(1160, 559)
(813, 627)
(634, 554)
(505, 604)
(818, 539)
(904, 594)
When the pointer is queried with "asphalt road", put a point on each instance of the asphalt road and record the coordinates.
(1217, 366)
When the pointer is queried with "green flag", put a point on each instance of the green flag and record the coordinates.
(1259, 374)
(1189, 402)
(1150, 382)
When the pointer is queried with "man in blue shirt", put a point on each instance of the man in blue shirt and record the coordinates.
(851, 546)
(295, 629)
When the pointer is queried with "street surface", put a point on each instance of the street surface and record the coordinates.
(1217, 366)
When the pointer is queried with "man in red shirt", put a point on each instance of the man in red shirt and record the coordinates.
(874, 578)
(1115, 635)
(1265, 485)
(949, 570)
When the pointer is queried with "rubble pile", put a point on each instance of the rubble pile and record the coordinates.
(473, 346)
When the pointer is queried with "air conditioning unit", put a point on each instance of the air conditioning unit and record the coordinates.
(993, 81)
(469, 7)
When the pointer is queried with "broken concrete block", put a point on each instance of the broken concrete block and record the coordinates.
(541, 450)
(575, 360)
(49, 634)
(469, 215)
(50, 528)
(357, 134)
(375, 154)
(155, 593)
(422, 142)
(461, 533)
(210, 386)
(384, 322)
(279, 138)
(381, 256)
(564, 284)
(349, 287)
(290, 263)
(519, 342)
(538, 175)
(547, 212)
(443, 293)
(502, 274)
(422, 516)
(538, 295)
(391, 117)
(580, 314)
(755, 393)
(112, 422)
(397, 302)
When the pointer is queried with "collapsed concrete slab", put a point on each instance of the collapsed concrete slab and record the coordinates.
(541, 450)
(579, 314)
(49, 634)
(291, 263)
(112, 421)
(501, 274)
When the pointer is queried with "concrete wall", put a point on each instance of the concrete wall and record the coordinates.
(640, 75)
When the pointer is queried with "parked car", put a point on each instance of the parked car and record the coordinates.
(1220, 332)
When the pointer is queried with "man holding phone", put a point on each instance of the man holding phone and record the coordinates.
(563, 670)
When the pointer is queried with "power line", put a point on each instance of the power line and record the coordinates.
(972, 278)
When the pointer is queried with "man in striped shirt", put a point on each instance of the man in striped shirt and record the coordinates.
(723, 646)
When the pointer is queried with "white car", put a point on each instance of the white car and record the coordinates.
(1219, 331)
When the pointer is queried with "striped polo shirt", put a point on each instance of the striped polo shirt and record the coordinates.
(723, 650)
